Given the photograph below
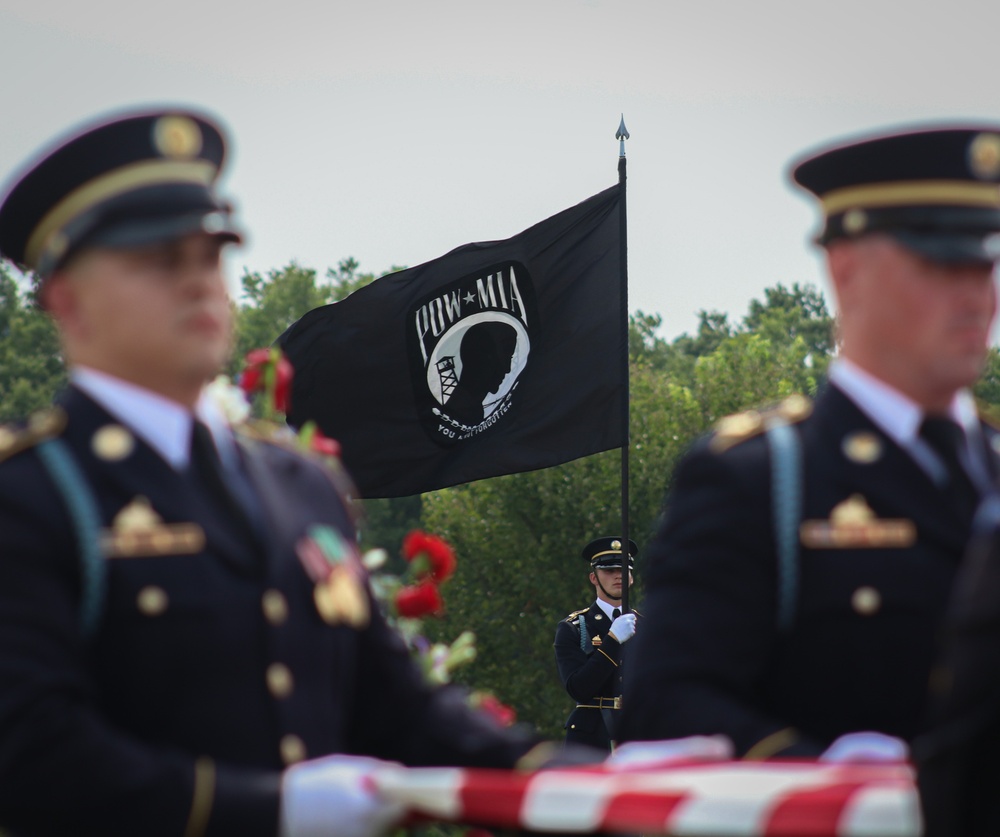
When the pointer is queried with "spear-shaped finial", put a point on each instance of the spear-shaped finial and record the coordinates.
(621, 135)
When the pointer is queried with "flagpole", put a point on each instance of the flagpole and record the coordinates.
(621, 135)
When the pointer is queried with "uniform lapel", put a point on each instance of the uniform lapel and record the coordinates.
(143, 473)
(893, 484)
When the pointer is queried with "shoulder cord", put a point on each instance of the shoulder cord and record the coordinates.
(82, 507)
(786, 502)
(584, 638)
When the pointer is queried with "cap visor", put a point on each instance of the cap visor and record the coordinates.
(949, 248)
(142, 232)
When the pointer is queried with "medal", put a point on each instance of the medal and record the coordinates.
(332, 563)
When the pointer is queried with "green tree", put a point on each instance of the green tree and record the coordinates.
(272, 302)
(789, 313)
(31, 367)
(987, 389)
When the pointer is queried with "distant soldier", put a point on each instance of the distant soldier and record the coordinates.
(589, 647)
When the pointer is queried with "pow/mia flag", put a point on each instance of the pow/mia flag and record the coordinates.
(498, 357)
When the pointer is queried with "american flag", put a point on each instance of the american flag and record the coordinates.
(681, 799)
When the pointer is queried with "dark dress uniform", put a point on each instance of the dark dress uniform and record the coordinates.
(957, 767)
(589, 659)
(171, 639)
(877, 555)
(590, 666)
(210, 668)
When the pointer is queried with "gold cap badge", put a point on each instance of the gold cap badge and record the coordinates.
(984, 156)
(177, 137)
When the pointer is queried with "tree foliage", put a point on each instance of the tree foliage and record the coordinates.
(31, 367)
(272, 302)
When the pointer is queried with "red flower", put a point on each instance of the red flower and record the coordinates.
(501, 713)
(324, 444)
(420, 600)
(268, 370)
(430, 556)
(251, 379)
(283, 373)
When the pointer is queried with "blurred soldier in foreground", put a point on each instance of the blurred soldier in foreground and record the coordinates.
(801, 573)
(957, 767)
(186, 633)
(589, 647)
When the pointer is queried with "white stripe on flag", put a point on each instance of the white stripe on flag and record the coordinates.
(891, 811)
(736, 801)
(565, 802)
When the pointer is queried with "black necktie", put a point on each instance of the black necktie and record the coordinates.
(615, 614)
(947, 438)
(208, 467)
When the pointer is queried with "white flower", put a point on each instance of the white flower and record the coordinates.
(229, 398)
(374, 559)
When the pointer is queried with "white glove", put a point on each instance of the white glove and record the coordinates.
(623, 628)
(335, 796)
(866, 747)
(646, 754)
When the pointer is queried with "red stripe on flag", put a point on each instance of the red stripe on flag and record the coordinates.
(811, 813)
(631, 812)
(493, 797)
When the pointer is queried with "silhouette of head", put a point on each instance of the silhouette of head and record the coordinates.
(487, 351)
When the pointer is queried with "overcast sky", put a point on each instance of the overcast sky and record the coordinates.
(395, 130)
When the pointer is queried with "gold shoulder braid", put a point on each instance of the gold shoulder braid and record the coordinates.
(42, 425)
(737, 428)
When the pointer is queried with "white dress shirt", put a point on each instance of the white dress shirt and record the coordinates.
(163, 424)
(899, 417)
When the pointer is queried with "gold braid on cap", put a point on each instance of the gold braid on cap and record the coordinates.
(912, 193)
(111, 185)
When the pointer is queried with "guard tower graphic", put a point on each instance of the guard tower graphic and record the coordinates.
(446, 374)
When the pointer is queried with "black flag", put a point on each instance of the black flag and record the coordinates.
(499, 357)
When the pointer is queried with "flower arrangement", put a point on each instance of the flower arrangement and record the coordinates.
(406, 599)
(268, 374)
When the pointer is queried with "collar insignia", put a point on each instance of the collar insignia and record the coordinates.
(139, 532)
(853, 525)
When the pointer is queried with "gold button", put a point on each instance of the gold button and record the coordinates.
(112, 443)
(152, 601)
(293, 749)
(866, 601)
(854, 221)
(862, 447)
(279, 680)
(275, 607)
